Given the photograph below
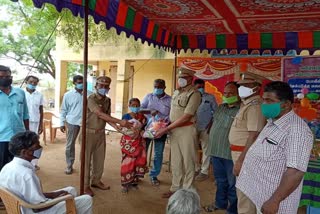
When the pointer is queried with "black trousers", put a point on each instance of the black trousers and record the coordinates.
(5, 155)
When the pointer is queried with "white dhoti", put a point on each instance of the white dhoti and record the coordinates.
(83, 203)
(34, 127)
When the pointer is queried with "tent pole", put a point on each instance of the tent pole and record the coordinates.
(175, 69)
(84, 110)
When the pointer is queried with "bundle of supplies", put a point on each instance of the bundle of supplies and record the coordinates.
(137, 125)
(154, 124)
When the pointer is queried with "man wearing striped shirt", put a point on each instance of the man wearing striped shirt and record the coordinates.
(272, 172)
(219, 150)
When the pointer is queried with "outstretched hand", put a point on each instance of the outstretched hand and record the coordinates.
(126, 123)
(160, 132)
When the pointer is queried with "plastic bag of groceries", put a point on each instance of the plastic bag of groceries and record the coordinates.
(153, 125)
(132, 132)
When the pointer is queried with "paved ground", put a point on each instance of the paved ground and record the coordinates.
(146, 200)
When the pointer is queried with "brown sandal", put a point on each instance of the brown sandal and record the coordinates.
(167, 194)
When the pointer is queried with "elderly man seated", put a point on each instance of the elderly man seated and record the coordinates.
(20, 178)
(184, 201)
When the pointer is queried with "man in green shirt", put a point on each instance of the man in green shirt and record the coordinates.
(219, 150)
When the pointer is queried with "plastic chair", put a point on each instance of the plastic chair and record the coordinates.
(48, 122)
(13, 203)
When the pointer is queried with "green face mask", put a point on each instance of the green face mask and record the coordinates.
(230, 100)
(271, 110)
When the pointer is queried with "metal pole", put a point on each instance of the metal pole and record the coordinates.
(175, 68)
(84, 110)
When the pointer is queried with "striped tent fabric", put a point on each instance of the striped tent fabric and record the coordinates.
(262, 41)
(311, 185)
(124, 18)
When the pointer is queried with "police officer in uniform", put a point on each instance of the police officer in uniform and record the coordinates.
(185, 102)
(245, 128)
(98, 114)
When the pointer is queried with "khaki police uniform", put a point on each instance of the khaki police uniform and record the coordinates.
(183, 155)
(96, 138)
(249, 118)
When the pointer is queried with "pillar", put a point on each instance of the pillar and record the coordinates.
(60, 83)
(122, 88)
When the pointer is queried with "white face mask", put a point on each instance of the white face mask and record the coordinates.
(182, 82)
(245, 92)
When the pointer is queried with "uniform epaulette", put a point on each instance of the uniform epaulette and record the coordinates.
(255, 102)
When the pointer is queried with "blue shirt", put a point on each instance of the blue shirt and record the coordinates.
(13, 111)
(205, 111)
(71, 109)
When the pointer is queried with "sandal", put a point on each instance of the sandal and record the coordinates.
(211, 208)
(2, 207)
(135, 186)
(155, 181)
(124, 189)
(167, 194)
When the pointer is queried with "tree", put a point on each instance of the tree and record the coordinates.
(72, 30)
(24, 35)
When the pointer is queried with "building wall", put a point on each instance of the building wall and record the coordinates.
(147, 71)
(148, 64)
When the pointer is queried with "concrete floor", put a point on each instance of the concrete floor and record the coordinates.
(146, 200)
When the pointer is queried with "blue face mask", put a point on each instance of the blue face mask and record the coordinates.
(31, 87)
(37, 153)
(103, 91)
(158, 91)
(134, 109)
(79, 86)
(201, 90)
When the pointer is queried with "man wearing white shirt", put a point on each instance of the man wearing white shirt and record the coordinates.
(35, 107)
(70, 117)
(20, 178)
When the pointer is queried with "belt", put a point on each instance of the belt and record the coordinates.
(95, 131)
(236, 148)
(189, 123)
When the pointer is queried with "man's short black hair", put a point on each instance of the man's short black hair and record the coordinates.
(77, 77)
(22, 140)
(5, 69)
(160, 81)
(282, 89)
(198, 81)
(31, 76)
(232, 83)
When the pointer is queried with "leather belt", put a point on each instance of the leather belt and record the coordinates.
(236, 148)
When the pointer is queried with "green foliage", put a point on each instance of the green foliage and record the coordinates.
(24, 34)
(27, 29)
(72, 29)
(74, 69)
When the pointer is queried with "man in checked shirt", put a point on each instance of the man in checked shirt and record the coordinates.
(272, 171)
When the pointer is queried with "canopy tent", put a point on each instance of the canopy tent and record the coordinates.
(209, 24)
(232, 25)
